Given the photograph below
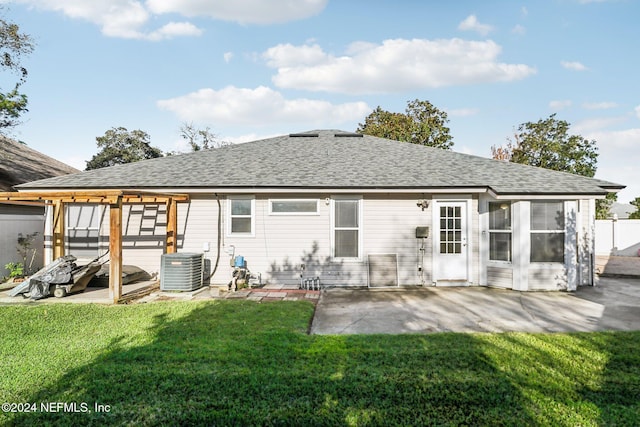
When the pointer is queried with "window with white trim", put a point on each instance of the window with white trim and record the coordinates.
(500, 231)
(241, 215)
(346, 228)
(547, 231)
(293, 207)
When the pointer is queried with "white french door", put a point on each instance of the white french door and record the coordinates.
(451, 255)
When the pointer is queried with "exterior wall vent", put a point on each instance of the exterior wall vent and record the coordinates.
(181, 271)
(303, 135)
(383, 270)
(348, 135)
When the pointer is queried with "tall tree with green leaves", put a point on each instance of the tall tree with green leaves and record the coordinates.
(119, 146)
(548, 144)
(421, 123)
(14, 45)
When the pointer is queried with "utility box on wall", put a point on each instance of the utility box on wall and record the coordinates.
(422, 232)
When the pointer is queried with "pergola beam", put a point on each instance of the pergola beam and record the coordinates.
(115, 199)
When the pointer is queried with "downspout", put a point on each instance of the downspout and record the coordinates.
(215, 268)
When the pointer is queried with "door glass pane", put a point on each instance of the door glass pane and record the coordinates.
(347, 243)
(346, 213)
(450, 230)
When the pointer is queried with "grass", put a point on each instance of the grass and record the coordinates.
(245, 363)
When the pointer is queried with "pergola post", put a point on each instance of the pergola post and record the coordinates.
(115, 250)
(172, 226)
(58, 229)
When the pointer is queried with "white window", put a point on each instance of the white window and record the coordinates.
(293, 207)
(346, 228)
(500, 231)
(547, 231)
(241, 215)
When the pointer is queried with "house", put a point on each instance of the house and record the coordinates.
(20, 164)
(347, 208)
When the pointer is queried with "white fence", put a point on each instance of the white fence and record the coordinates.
(618, 237)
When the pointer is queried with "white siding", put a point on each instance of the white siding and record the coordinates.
(501, 277)
(282, 243)
(20, 219)
(550, 277)
(143, 235)
(390, 227)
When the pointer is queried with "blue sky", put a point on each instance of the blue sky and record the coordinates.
(250, 69)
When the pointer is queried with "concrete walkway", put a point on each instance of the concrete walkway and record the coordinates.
(612, 305)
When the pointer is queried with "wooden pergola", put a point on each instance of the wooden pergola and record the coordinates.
(115, 199)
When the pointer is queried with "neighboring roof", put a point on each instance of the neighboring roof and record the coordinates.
(20, 164)
(329, 159)
(622, 210)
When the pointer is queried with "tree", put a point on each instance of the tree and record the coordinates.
(547, 144)
(422, 123)
(636, 214)
(13, 46)
(200, 139)
(603, 206)
(119, 146)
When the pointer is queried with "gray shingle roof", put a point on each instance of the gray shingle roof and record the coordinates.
(328, 161)
(19, 164)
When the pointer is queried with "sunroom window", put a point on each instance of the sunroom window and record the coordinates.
(500, 231)
(547, 231)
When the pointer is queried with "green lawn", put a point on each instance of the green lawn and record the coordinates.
(245, 363)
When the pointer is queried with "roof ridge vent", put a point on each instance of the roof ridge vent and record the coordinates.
(348, 135)
(303, 135)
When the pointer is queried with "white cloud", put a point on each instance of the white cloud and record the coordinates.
(116, 18)
(637, 110)
(242, 11)
(258, 107)
(599, 105)
(393, 66)
(288, 55)
(129, 18)
(228, 56)
(471, 23)
(174, 29)
(560, 104)
(573, 65)
(519, 29)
